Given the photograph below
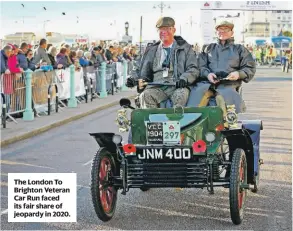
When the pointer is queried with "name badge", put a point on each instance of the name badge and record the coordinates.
(165, 72)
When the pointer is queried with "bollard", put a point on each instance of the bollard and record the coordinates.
(28, 114)
(72, 101)
(124, 88)
(103, 92)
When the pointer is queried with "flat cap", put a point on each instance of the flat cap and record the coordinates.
(226, 24)
(165, 22)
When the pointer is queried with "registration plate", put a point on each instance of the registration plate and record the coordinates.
(163, 132)
(164, 153)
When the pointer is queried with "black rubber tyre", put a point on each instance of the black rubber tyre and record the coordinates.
(237, 195)
(104, 198)
(144, 189)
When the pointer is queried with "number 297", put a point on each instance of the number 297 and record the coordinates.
(171, 135)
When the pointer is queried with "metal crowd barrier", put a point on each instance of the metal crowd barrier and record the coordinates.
(43, 94)
(90, 82)
(48, 89)
(13, 88)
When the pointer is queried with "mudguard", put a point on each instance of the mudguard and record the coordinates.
(105, 140)
(240, 138)
(254, 127)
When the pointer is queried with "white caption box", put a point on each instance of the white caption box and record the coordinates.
(42, 197)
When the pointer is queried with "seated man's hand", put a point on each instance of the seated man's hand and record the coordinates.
(212, 78)
(59, 66)
(130, 82)
(233, 75)
(181, 83)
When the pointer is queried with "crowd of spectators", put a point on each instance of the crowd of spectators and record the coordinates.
(17, 59)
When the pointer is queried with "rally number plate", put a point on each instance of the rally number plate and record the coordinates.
(163, 132)
(164, 154)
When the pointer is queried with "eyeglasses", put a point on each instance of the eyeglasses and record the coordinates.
(223, 30)
(165, 29)
(29, 54)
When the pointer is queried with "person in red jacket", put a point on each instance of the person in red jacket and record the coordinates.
(12, 62)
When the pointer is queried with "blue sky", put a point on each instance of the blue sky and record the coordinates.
(95, 18)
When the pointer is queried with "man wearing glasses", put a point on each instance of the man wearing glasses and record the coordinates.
(169, 60)
(225, 57)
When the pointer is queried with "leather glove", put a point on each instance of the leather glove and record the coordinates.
(131, 82)
(181, 83)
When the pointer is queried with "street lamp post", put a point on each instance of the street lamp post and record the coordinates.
(22, 24)
(161, 6)
(126, 28)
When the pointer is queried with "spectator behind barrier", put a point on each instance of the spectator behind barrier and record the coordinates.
(5, 54)
(132, 53)
(85, 48)
(52, 52)
(67, 47)
(126, 54)
(104, 56)
(109, 54)
(12, 62)
(72, 56)
(82, 61)
(41, 52)
(61, 58)
(74, 60)
(30, 61)
(96, 57)
(21, 57)
(88, 56)
(44, 66)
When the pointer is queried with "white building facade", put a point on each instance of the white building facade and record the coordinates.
(280, 20)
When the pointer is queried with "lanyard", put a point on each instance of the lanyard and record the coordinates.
(167, 59)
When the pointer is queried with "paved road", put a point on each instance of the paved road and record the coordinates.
(268, 98)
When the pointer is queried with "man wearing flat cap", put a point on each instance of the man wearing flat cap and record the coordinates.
(169, 60)
(225, 57)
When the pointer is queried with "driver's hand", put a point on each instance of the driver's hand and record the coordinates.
(130, 82)
(181, 83)
(213, 78)
(233, 76)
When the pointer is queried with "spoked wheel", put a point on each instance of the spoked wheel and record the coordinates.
(104, 195)
(237, 194)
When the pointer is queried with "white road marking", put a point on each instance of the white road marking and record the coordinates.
(87, 163)
(4, 212)
(19, 163)
(82, 186)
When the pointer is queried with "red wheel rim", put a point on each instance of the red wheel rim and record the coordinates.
(106, 193)
(241, 192)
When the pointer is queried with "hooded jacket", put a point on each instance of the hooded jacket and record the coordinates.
(13, 64)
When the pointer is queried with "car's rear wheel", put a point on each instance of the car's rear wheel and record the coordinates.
(237, 194)
(104, 194)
